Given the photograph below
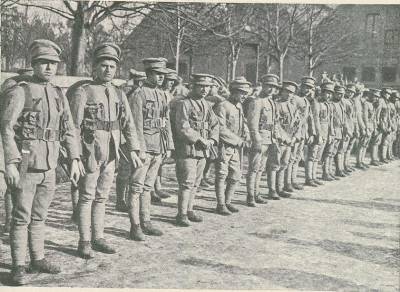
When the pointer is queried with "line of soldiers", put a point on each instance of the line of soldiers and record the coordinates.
(102, 129)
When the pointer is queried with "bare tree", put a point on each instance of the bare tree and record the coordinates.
(85, 15)
(7, 3)
(318, 43)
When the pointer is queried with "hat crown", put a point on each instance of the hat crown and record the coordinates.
(290, 86)
(107, 50)
(202, 79)
(44, 49)
(328, 86)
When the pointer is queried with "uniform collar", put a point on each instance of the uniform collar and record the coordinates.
(105, 84)
(37, 80)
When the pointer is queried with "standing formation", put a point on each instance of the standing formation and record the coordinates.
(100, 129)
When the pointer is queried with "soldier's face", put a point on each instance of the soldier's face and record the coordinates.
(385, 95)
(201, 91)
(105, 70)
(238, 96)
(349, 94)
(326, 95)
(169, 84)
(270, 90)
(44, 69)
(339, 95)
(307, 90)
(156, 78)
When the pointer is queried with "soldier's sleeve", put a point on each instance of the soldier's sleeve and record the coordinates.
(359, 108)
(168, 124)
(225, 134)
(182, 125)
(213, 126)
(315, 109)
(77, 102)
(129, 130)
(136, 105)
(2, 164)
(71, 140)
(253, 119)
(13, 104)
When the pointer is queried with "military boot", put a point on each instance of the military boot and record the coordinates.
(192, 216)
(121, 190)
(219, 191)
(44, 266)
(280, 183)
(183, 201)
(309, 176)
(288, 179)
(229, 192)
(325, 170)
(314, 174)
(85, 250)
(295, 184)
(133, 203)
(8, 208)
(155, 198)
(101, 245)
(18, 276)
(271, 179)
(250, 184)
(149, 229)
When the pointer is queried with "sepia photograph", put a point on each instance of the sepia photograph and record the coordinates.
(200, 145)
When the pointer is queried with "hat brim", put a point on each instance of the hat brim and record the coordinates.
(159, 70)
(48, 58)
(309, 84)
(107, 57)
(273, 84)
(204, 83)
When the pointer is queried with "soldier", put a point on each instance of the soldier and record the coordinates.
(124, 165)
(351, 125)
(34, 119)
(359, 101)
(197, 131)
(288, 123)
(169, 81)
(24, 74)
(393, 125)
(3, 187)
(342, 133)
(261, 117)
(233, 134)
(306, 131)
(180, 89)
(325, 131)
(376, 136)
(101, 112)
(383, 118)
(150, 109)
(396, 146)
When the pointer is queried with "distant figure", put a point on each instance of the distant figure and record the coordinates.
(180, 88)
(325, 78)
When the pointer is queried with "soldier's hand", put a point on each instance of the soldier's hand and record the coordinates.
(12, 175)
(3, 185)
(75, 172)
(81, 168)
(136, 161)
(143, 155)
(168, 154)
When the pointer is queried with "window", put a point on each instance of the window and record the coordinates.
(371, 24)
(349, 73)
(368, 74)
(389, 74)
(392, 38)
(251, 72)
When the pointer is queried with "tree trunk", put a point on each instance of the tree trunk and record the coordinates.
(78, 48)
(281, 62)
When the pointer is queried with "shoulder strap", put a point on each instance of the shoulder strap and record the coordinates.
(28, 105)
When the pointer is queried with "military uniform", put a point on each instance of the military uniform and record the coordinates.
(351, 125)
(325, 133)
(233, 134)
(35, 118)
(385, 122)
(396, 99)
(393, 128)
(288, 124)
(380, 127)
(369, 118)
(359, 103)
(101, 113)
(261, 118)
(150, 108)
(342, 135)
(197, 130)
(305, 131)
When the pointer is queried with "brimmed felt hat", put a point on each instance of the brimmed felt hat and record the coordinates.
(270, 79)
(290, 86)
(375, 92)
(171, 75)
(240, 83)
(137, 75)
(395, 94)
(156, 64)
(340, 89)
(351, 87)
(386, 90)
(308, 80)
(328, 86)
(202, 79)
(107, 51)
(44, 49)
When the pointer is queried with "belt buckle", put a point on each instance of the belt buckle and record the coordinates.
(47, 134)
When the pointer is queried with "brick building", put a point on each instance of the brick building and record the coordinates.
(377, 62)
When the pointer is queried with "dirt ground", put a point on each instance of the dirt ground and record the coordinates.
(341, 236)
